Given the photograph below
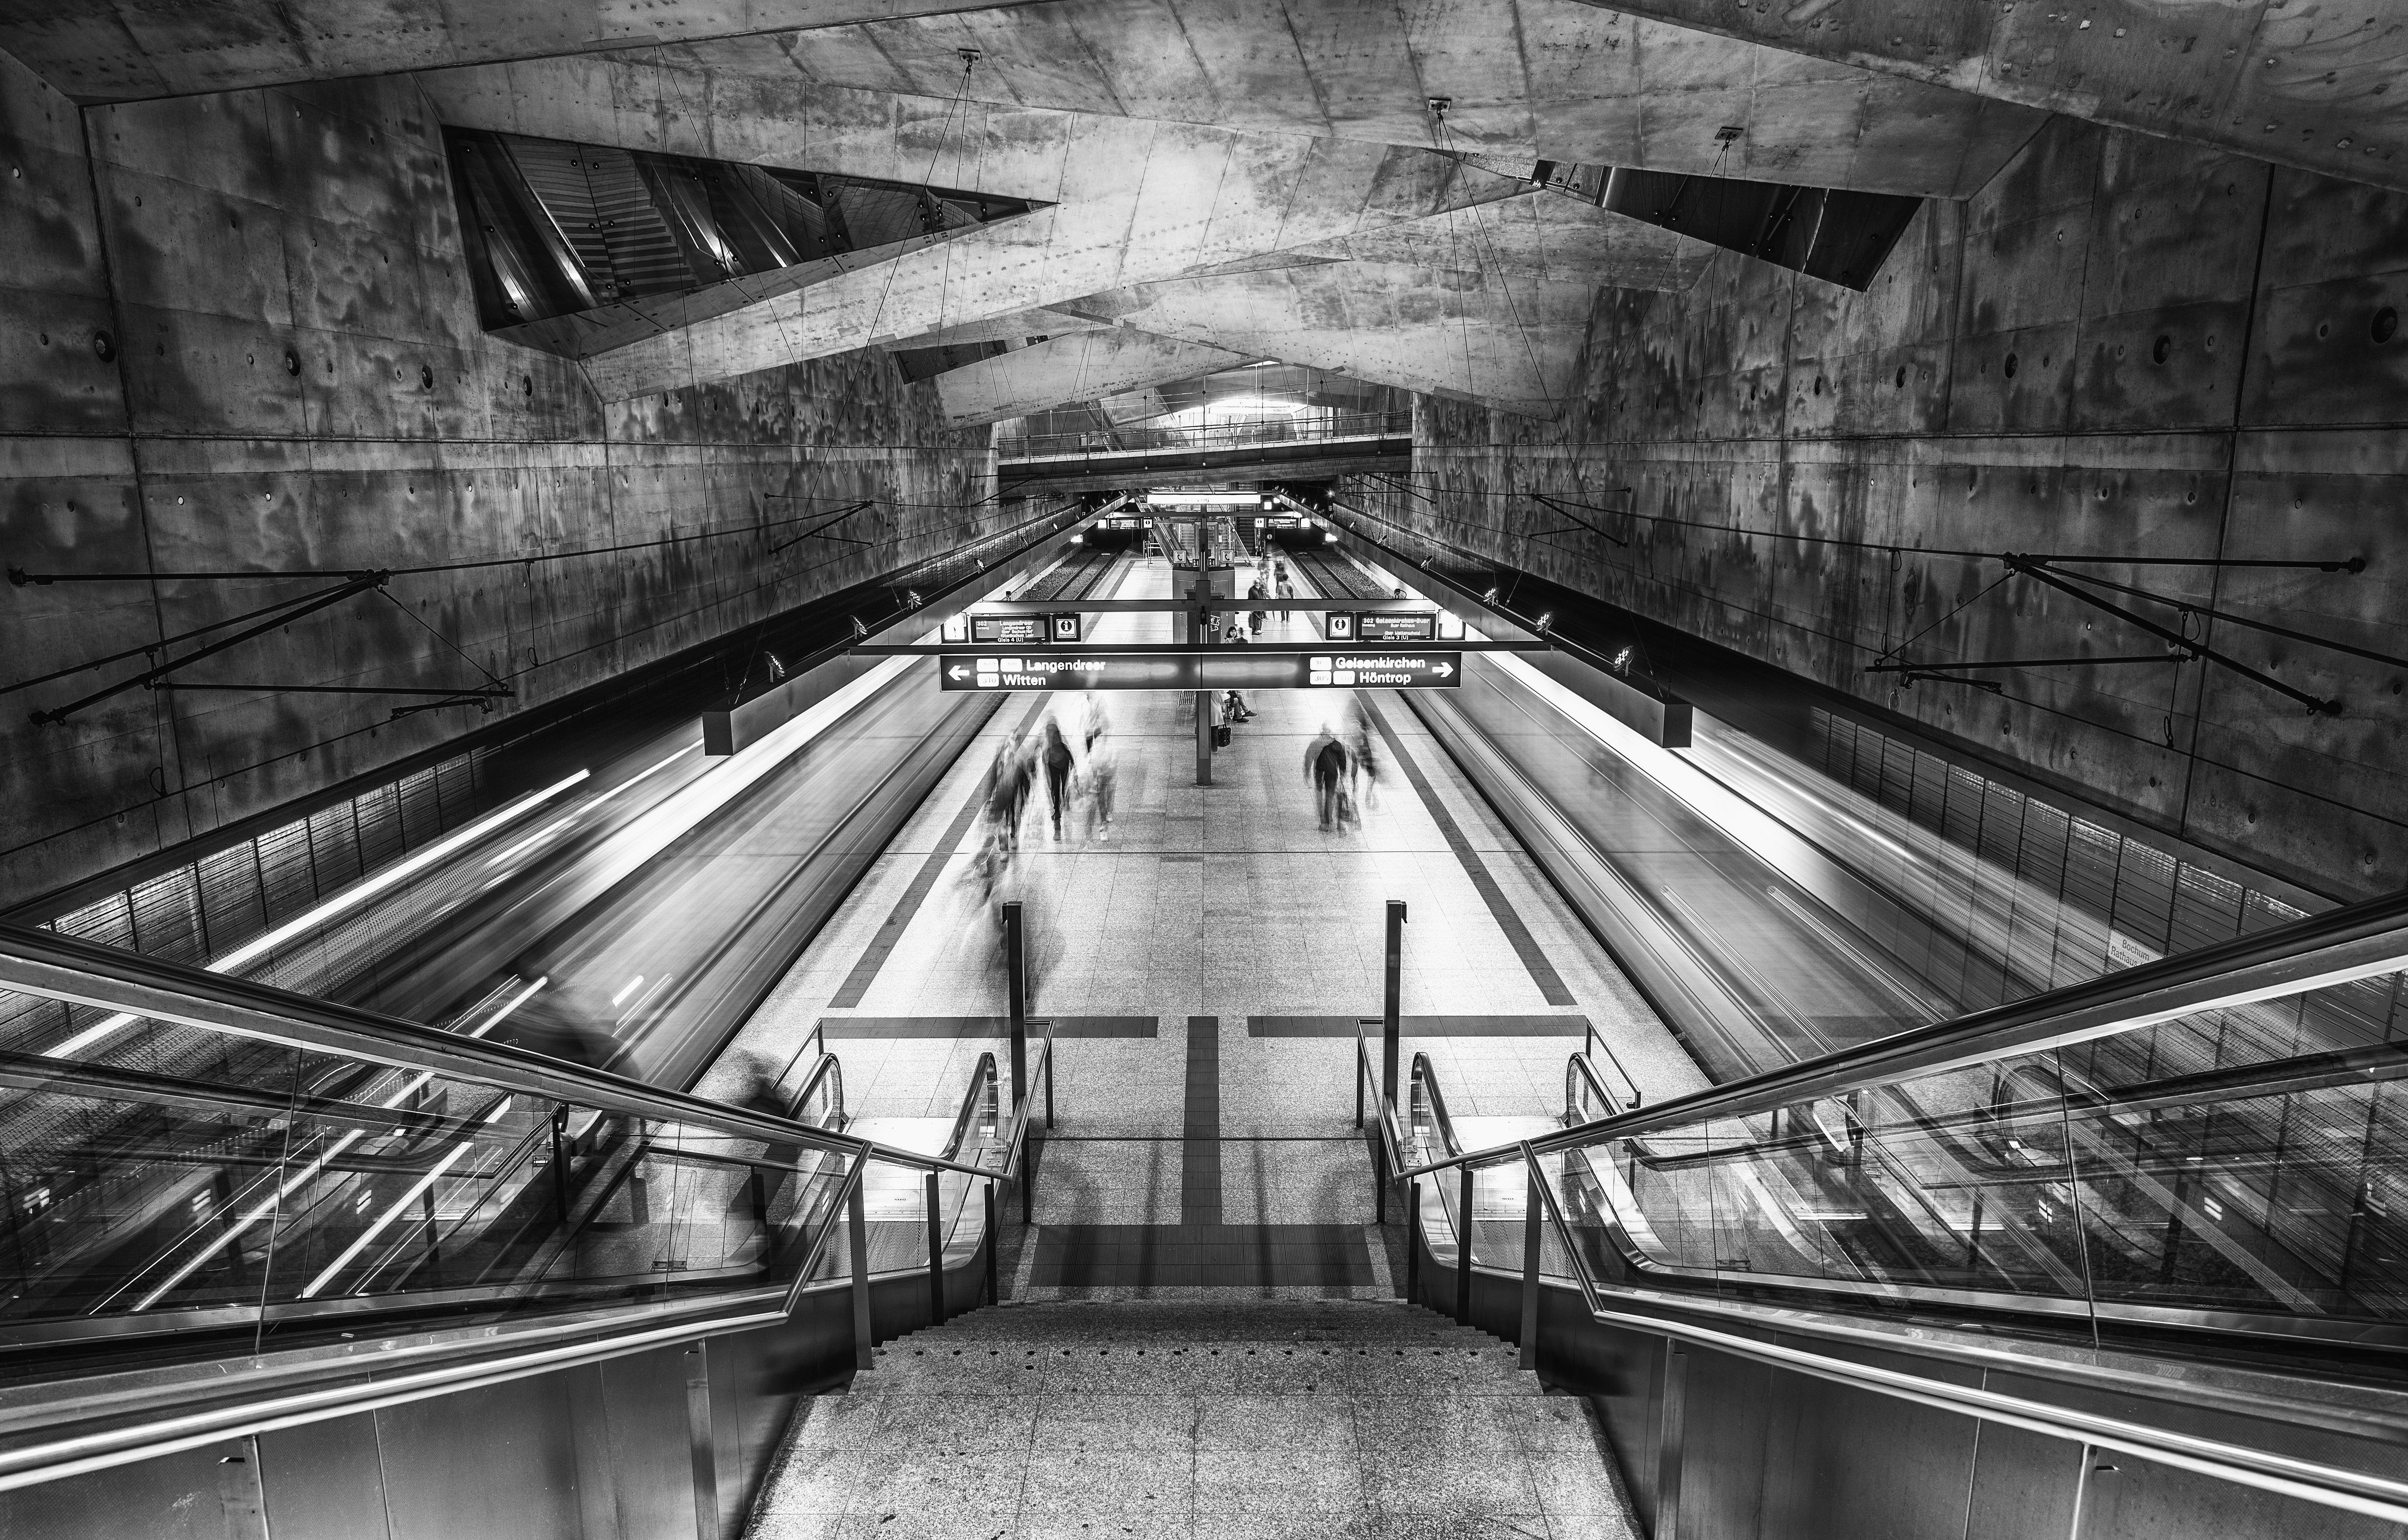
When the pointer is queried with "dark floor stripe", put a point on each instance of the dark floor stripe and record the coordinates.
(1542, 973)
(864, 972)
(1138, 1256)
(1420, 1026)
(1200, 1148)
(987, 1026)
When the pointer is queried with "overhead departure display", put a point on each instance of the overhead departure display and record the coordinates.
(1375, 625)
(1011, 630)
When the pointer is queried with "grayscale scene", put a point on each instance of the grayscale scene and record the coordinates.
(1203, 770)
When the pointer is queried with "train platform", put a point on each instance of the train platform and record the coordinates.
(1204, 961)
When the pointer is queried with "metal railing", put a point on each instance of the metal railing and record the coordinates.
(2005, 1182)
(1226, 435)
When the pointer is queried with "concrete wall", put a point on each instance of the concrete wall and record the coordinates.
(2120, 346)
(236, 333)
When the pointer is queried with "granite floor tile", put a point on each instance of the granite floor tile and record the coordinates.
(1253, 1423)
(813, 1480)
(1106, 1485)
(1074, 1421)
(776, 1524)
(1576, 1484)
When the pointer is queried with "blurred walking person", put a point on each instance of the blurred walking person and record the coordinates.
(1367, 758)
(1004, 795)
(1235, 705)
(1326, 765)
(766, 1181)
(1055, 755)
(1023, 782)
(1101, 767)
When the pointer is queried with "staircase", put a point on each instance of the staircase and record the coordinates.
(1320, 1419)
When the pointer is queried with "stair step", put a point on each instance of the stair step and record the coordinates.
(1266, 1417)
(1264, 1320)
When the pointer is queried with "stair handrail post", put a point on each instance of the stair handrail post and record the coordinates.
(1463, 1248)
(856, 1228)
(1533, 1235)
(1015, 971)
(1392, 973)
(935, 1200)
(993, 1247)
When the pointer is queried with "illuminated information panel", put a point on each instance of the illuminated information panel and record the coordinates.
(1225, 668)
(1374, 625)
(1026, 630)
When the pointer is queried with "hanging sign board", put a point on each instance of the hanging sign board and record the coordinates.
(1220, 668)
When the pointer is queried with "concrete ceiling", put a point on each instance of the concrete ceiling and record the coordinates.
(1265, 179)
(1084, 367)
(2310, 83)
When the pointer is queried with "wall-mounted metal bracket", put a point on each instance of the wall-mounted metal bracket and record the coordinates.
(2049, 569)
(822, 528)
(2038, 569)
(1565, 510)
(1952, 673)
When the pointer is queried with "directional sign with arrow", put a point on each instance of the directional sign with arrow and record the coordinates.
(1211, 669)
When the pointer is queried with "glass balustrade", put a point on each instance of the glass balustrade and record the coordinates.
(180, 1179)
(2243, 1166)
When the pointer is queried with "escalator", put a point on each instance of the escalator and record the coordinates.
(2052, 1195)
(198, 1165)
(2214, 1164)
(2165, 1191)
(194, 1256)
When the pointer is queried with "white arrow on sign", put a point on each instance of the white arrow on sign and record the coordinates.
(1441, 670)
(957, 672)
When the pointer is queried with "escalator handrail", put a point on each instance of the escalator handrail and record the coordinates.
(1593, 1042)
(2372, 1063)
(1576, 1069)
(2265, 1470)
(77, 1451)
(1427, 1078)
(981, 1087)
(1016, 1141)
(1391, 1135)
(827, 1068)
(854, 1172)
(63, 967)
(2341, 944)
(34, 1074)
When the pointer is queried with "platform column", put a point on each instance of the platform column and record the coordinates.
(1199, 631)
